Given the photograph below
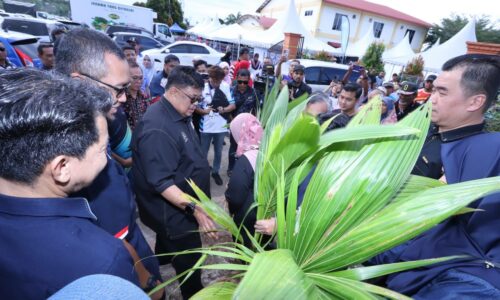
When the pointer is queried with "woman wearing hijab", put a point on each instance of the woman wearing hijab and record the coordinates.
(247, 132)
(388, 113)
(148, 72)
(225, 66)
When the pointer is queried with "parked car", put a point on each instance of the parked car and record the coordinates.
(161, 32)
(21, 48)
(145, 42)
(318, 74)
(186, 51)
(37, 27)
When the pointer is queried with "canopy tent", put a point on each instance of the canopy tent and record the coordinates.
(231, 34)
(212, 26)
(177, 29)
(402, 49)
(200, 26)
(435, 57)
(289, 23)
(358, 48)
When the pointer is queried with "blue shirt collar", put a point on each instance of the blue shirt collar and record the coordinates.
(46, 207)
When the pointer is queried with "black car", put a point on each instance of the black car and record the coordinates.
(145, 42)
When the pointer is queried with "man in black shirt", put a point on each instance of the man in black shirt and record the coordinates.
(406, 102)
(297, 86)
(166, 154)
(348, 98)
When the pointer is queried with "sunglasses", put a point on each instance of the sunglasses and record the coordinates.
(2, 49)
(193, 99)
(120, 91)
(242, 81)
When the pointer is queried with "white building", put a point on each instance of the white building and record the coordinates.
(323, 19)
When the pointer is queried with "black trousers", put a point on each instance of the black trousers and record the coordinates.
(181, 263)
(232, 152)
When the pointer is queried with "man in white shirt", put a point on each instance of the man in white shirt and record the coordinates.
(214, 109)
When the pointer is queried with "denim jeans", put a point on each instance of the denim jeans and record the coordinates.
(206, 140)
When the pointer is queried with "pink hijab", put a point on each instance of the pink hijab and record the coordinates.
(247, 132)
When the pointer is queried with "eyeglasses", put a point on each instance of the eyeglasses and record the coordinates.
(2, 49)
(242, 81)
(137, 77)
(120, 91)
(193, 99)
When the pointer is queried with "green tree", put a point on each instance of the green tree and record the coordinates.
(232, 18)
(486, 30)
(169, 11)
(372, 60)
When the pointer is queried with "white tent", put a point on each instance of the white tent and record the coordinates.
(359, 47)
(232, 33)
(206, 29)
(204, 23)
(435, 57)
(289, 23)
(402, 49)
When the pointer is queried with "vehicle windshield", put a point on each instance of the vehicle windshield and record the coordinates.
(24, 26)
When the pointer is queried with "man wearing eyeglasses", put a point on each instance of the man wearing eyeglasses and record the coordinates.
(245, 99)
(4, 61)
(166, 155)
(92, 56)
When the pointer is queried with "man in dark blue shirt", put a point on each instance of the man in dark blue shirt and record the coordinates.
(462, 93)
(94, 57)
(53, 139)
(159, 81)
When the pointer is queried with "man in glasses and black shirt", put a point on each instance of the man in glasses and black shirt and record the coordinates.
(245, 100)
(166, 154)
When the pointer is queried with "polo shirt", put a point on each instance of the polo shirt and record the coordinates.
(429, 163)
(155, 87)
(214, 122)
(166, 151)
(50, 242)
(245, 102)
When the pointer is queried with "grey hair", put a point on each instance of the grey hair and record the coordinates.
(319, 97)
(83, 51)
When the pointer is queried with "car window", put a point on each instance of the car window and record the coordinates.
(34, 28)
(182, 48)
(312, 75)
(147, 43)
(164, 29)
(329, 74)
(199, 49)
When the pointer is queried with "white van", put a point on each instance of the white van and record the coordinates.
(318, 74)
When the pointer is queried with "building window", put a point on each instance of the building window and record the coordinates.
(411, 32)
(308, 13)
(337, 22)
(377, 29)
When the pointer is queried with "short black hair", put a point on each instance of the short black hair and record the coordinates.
(353, 87)
(185, 76)
(243, 73)
(170, 58)
(83, 50)
(42, 46)
(127, 47)
(244, 51)
(481, 74)
(199, 62)
(45, 115)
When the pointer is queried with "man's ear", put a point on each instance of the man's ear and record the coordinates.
(476, 102)
(60, 169)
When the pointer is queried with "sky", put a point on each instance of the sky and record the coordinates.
(431, 11)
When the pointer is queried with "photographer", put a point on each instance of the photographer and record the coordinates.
(267, 78)
(214, 111)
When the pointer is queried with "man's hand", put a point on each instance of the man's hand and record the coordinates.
(206, 224)
(267, 226)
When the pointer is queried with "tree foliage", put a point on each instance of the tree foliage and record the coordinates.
(169, 11)
(486, 30)
(373, 57)
(231, 19)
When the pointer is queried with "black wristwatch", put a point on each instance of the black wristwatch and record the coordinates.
(189, 209)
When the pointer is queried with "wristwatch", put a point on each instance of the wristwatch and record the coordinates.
(189, 209)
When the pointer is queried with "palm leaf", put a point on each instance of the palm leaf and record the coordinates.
(216, 291)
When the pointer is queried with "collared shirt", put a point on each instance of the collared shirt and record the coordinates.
(214, 122)
(50, 242)
(403, 113)
(245, 102)
(8, 65)
(155, 87)
(429, 163)
(166, 151)
(298, 91)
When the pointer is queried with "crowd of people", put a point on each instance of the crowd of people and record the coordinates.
(95, 136)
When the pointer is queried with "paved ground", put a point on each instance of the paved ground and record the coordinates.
(217, 192)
